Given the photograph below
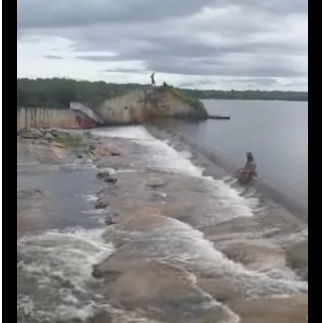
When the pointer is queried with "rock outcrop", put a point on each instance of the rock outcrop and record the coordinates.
(141, 105)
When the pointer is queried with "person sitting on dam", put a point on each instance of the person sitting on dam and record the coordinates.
(250, 166)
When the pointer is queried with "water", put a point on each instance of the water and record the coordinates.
(275, 131)
(62, 237)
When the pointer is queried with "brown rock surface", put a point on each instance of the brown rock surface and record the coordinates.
(292, 309)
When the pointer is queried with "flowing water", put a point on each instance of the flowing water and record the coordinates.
(275, 131)
(61, 237)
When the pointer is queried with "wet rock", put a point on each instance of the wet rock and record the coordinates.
(104, 191)
(59, 134)
(58, 145)
(30, 134)
(297, 257)
(114, 151)
(100, 149)
(96, 272)
(110, 179)
(111, 219)
(290, 309)
(103, 174)
(159, 196)
(155, 181)
(256, 254)
(50, 136)
(106, 176)
(100, 204)
(163, 291)
(107, 275)
(102, 201)
(101, 317)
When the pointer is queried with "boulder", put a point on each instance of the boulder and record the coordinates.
(111, 219)
(30, 134)
(106, 176)
(101, 204)
(114, 151)
(110, 179)
(49, 136)
(101, 150)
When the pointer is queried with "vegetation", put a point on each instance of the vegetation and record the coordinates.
(71, 140)
(250, 95)
(188, 97)
(58, 93)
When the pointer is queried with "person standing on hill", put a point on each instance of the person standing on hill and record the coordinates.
(152, 76)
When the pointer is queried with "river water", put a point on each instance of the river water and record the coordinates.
(61, 238)
(275, 131)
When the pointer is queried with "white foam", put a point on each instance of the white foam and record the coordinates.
(227, 202)
(231, 316)
(61, 263)
(70, 312)
(166, 158)
(179, 242)
(96, 211)
(129, 132)
(87, 197)
(181, 245)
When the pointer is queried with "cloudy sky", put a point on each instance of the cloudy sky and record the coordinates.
(207, 44)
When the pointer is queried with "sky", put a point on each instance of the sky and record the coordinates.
(204, 44)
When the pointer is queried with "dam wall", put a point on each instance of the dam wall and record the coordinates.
(52, 118)
(267, 188)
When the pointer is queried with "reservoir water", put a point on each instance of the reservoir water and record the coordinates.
(275, 131)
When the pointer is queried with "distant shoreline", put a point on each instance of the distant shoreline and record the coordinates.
(249, 95)
(255, 99)
(58, 93)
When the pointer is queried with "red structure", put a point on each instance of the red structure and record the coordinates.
(84, 122)
(84, 116)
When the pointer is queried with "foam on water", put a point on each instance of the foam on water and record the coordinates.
(55, 282)
(61, 264)
(231, 316)
(161, 156)
(61, 261)
(179, 244)
(226, 203)
(129, 132)
(87, 197)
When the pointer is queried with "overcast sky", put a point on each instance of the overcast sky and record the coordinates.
(207, 44)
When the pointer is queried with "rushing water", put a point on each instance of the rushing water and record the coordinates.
(275, 131)
(59, 240)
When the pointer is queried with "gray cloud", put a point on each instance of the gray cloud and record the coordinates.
(67, 13)
(53, 57)
(270, 68)
(125, 70)
(256, 39)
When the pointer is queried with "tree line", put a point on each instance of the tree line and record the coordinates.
(58, 93)
(250, 95)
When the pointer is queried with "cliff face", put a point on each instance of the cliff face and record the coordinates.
(141, 105)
